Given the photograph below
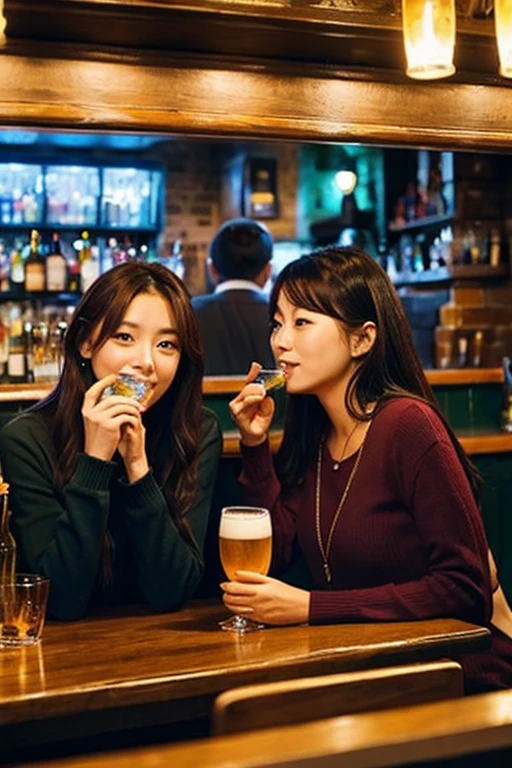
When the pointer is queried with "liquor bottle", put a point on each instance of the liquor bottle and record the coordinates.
(7, 542)
(89, 263)
(73, 274)
(462, 352)
(16, 362)
(495, 248)
(35, 273)
(29, 347)
(84, 250)
(417, 258)
(17, 270)
(5, 267)
(56, 267)
(119, 252)
(39, 339)
(478, 342)
(4, 341)
(506, 409)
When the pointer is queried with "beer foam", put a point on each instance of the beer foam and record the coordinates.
(245, 526)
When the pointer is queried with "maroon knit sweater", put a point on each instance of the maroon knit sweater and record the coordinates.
(409, 542)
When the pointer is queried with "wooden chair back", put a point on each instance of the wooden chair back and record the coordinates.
(471, 732)
(269, 705)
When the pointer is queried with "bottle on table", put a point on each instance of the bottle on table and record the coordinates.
(7, 541)
(56, 267)
(35, 272)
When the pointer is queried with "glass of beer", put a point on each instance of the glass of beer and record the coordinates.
(245, 542)
(23, 600)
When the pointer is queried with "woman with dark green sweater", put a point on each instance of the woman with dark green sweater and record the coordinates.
(110, 495)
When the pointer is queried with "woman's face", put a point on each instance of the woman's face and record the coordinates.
(146, 345)
(313, 349)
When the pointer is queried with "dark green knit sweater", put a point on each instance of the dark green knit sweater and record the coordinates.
(62, 534)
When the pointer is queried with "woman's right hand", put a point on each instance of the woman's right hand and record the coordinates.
(104, 419)
(252, 410)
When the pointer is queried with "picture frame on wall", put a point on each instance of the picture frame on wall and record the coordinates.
(259, 190)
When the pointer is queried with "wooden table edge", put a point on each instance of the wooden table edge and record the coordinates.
(130, 693)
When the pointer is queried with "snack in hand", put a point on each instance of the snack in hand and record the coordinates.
(271, 378)
(127, 386)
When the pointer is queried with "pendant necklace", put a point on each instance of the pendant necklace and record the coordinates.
(325, 551)
(337, 464)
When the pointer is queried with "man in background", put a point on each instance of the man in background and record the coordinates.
(233, 320)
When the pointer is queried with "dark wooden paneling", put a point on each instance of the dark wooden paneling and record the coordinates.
(349, 32)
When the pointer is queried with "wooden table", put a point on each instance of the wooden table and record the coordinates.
(119, 670)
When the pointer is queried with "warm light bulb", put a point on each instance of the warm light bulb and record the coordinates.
(2, 22)
(429, 37)
(346, 181)
(503, 24)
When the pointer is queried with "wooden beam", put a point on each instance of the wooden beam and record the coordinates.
(78, 87)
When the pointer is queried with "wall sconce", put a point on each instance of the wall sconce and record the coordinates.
(503, 25)
(429, 37)
(346, 181)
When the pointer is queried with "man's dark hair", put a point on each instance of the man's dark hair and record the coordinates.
(240, 249)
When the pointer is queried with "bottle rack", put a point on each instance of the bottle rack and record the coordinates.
(36, 195)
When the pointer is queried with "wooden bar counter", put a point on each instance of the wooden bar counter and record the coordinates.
(134, 668)
(474, 440)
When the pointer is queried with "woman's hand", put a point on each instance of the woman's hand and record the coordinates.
(265, 599)
(252, 410)
(132, 448)
(111, 424)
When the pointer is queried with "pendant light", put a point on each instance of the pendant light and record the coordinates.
(503, 26)
(429, 37)
(2, 22)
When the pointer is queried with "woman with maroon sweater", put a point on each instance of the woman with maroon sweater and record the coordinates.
(370, 485)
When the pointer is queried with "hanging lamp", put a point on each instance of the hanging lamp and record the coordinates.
(429, 37)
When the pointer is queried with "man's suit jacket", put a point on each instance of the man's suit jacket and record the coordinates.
(235, 330)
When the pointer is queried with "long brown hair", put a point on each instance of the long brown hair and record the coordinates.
(173, 424)
(350, 286)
